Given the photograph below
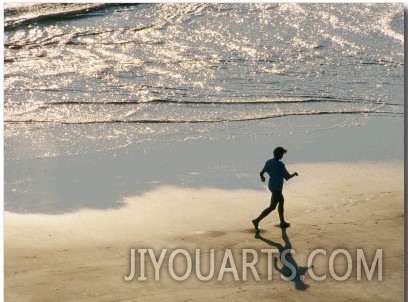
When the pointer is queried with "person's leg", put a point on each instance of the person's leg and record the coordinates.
(266, 212)
(281, 210)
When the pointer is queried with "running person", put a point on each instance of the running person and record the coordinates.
(277, 172)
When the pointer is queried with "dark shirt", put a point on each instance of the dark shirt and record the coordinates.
(277, 172)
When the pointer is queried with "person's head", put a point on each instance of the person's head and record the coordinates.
(278, 152)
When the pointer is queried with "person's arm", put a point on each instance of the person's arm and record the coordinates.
(262, 175)
(292, 175)
(287, 175)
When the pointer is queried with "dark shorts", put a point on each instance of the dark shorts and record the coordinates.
(277, 197)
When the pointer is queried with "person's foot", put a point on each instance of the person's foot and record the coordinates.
(255, 223)
(284, 224)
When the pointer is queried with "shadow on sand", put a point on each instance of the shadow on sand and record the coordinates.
(290, 270)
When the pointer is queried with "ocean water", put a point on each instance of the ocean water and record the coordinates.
(84, 79)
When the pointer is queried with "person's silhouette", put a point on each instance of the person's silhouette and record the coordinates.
(277, 172)
(294, 273)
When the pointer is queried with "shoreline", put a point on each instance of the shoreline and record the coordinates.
(102, 180)
(85, 254)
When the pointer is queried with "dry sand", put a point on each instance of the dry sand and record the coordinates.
(85, 256)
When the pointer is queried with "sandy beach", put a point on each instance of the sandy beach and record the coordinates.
(85, 255)
(135, 133)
